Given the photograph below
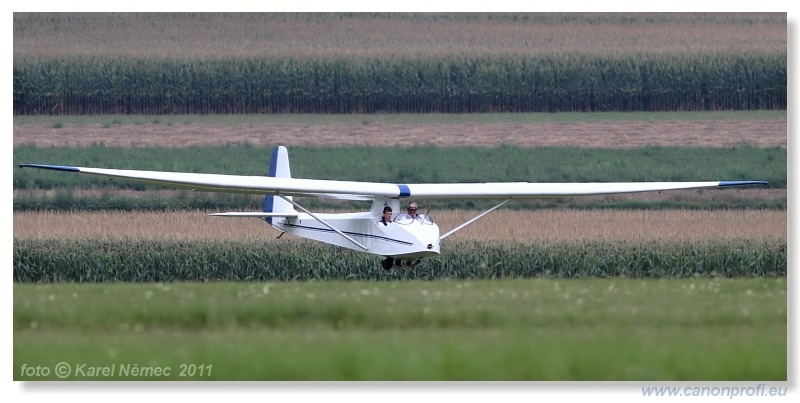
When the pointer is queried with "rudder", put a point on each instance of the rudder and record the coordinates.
(278, 168)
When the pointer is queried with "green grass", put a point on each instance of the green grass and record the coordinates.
(70, 199)
(424, 163)
(419, 164)
(601, 329)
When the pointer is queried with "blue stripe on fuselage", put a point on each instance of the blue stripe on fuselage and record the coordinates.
(404, 190)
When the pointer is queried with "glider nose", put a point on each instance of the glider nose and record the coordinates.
(431, 242)
(426, 239)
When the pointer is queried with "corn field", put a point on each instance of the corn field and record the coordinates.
(184, 246)
(453, 84)
(147, 261)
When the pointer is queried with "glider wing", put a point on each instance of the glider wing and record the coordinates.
(369, 190)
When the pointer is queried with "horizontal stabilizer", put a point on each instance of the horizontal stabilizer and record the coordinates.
(258, 214)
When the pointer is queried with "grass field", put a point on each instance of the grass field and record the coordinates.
(416, 164)
(444, 330)
(133, 121)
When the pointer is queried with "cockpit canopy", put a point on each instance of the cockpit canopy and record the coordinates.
(405, 219)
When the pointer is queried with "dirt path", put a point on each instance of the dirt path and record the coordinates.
(762, 133)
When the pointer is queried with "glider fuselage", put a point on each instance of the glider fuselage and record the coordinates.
(401, 239)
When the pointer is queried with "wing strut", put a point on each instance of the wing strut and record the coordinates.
(322, 222)
(473, 219)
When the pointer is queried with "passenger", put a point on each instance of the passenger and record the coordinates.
(412, 210)
(387, 215)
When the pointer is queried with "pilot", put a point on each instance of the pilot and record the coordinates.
(387, 215)
(412, 210)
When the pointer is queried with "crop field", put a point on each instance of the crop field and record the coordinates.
(519, 226)
(441, 85)
(99, 247)
(515, 63)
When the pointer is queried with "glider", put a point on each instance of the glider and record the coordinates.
(404, 239)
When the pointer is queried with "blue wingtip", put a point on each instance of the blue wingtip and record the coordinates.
(742, 183)
(52, 167)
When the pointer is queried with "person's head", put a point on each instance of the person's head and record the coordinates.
(412, 209)
(387, 212)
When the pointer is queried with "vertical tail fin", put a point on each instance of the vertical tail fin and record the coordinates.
(278, 168)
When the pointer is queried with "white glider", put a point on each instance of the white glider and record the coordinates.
(405, 240)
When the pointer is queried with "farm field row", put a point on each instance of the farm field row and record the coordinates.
(456, 84)
(590, 130)
(336, 63)
(516, 226)
(282, 35)
(190, 246)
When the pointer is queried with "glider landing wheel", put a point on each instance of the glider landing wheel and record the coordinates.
(387, 263)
